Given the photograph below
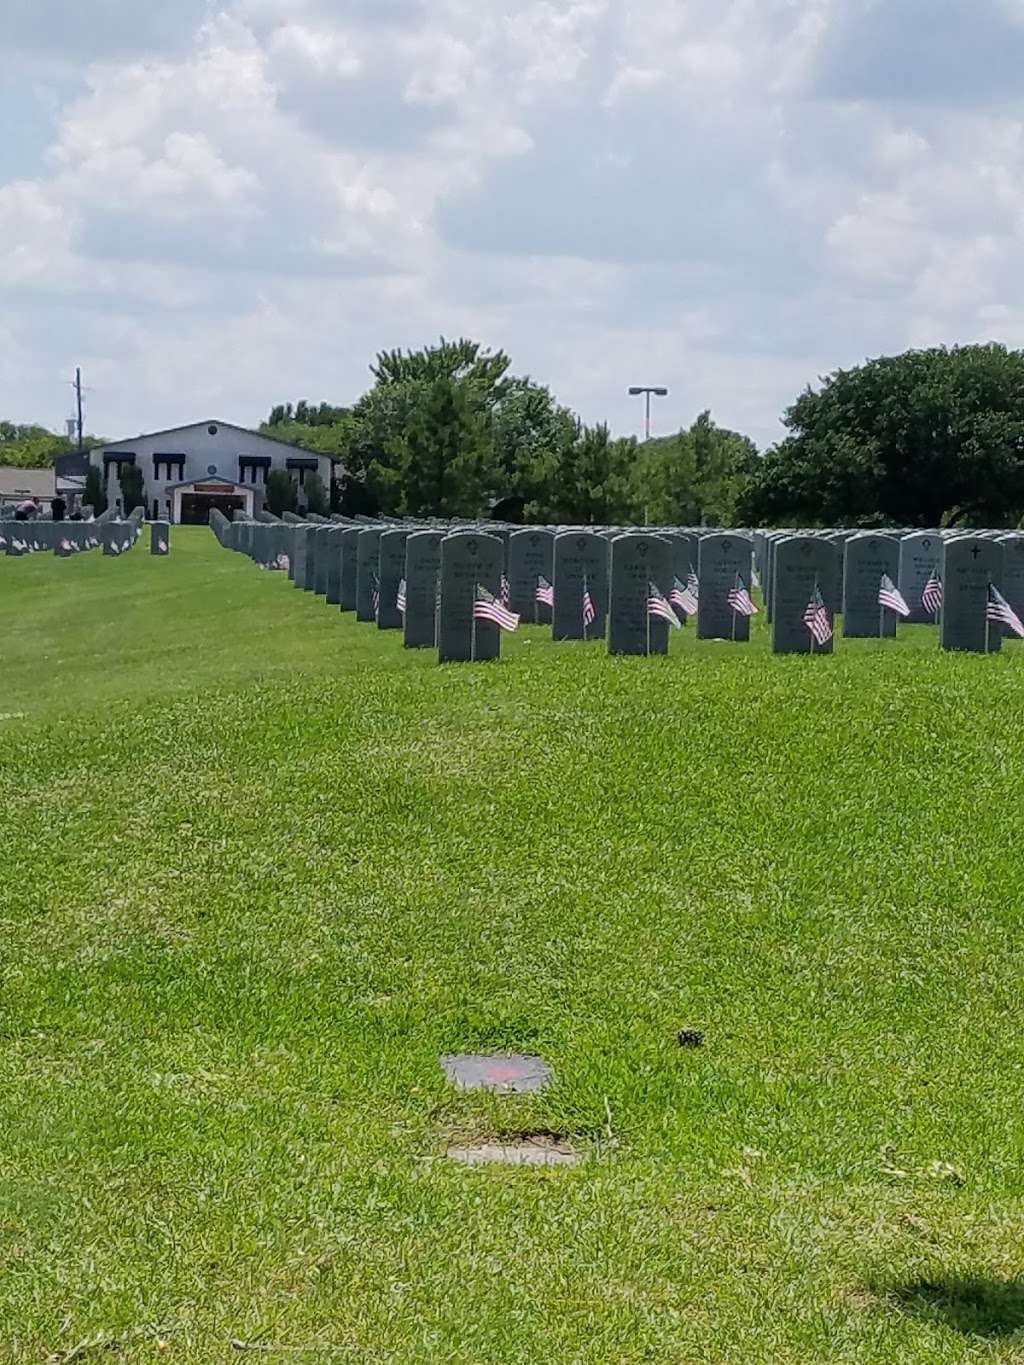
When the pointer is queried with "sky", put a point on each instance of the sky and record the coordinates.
(214, 206)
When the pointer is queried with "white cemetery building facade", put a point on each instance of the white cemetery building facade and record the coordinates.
(188, 471)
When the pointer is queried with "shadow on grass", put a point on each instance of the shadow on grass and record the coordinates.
(975, 1307)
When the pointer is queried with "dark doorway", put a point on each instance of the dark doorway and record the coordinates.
(196, 507)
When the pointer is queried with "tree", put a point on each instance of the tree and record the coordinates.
(920, 439)
(94, 495)
(133, 489)
(591, 479)
(281, 493)
(695, 478)
(318, 499)
(443, 463)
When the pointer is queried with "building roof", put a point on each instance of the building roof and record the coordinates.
(26, 483)
(73, 464)
(230, 426)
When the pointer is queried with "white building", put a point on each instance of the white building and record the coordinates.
(187, 471)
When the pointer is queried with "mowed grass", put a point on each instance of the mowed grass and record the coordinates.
(260, 868)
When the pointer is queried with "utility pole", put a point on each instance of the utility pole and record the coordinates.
(78, 395)
(647, 390)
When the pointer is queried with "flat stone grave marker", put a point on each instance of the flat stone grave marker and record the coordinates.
(868, 557)
(159, 538)
(468, 559)
(969, 564)
(801, 564)
(637, 562)
(531, 555)
(581, 559)
(536, 1150)
(422, 570)
(723, 563)
(510, 1073)
(919, 558)
(367, 566)
(390, 573)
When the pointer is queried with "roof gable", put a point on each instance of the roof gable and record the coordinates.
(201, 427)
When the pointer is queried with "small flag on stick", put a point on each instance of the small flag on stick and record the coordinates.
(545, 592)
(685, 597)
(931, 598)
(589, 611)
(400, 597)
(505, 588)
(487, 607)
(657, 605)
(817, 619)
(1000, 611)
(890, 596)
(740, 599)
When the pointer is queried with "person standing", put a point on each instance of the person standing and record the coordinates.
(58, 508)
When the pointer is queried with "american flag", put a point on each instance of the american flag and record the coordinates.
(740, 600)
(817, 619)
(505, 588)
(684, 596)
(162, 546)
(375, 594)
(126, 545)
(658, 606)
(545, 592)
(890, 596)
(66, 546)
(487, 607)
(400, 596)
(589, 614)
(1000, 611)
(931, 598)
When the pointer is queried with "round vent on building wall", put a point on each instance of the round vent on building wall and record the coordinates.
(211, 469)
(212, 430)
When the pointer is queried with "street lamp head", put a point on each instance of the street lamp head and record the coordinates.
(661, 393)
(635, 390)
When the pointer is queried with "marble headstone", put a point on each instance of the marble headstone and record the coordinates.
(390, 573)
(723, 563)
(531, 555)
(800, 564)
(159, 538)
(919, 558)
(867, 558)
(969, 564)
(581, 557)
(468, 559)
(367, 566)
(422, 568)
(637, 561)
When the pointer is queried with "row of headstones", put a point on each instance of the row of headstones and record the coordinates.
(847, 568)
(67, 538)
(359, 566)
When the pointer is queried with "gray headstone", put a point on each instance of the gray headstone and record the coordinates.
(919, 558)
(159, 538)
(468, 559)
(321, 545)
(800, 564)
(580, 557)
(333, 556)
(867, 558)
(112, 536)
(637, 562)
(969, 564)
(367, 566)
(531, 554)
(422, 569)
(723, 561)
(1013, 571)
(391, 571)
(297, 564)
(685, 555)
(349, 567)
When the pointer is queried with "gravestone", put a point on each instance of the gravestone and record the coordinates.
(1013, 571)
(349, 567)
(919, 558)
(531, 555)
(685, 555)
(868, 557)
(159, 538)
(112, 533)
(723, 561)
(638, 561)
(321, 544)
(800, 564)
(367, 564)
(333, 556)
(390, 572)
(422, 568)
(297, 563)
(468, 559)
(581, 557)
(969, 564)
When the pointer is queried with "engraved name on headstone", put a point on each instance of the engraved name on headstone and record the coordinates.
(968, 566)
(581, 560)
(868, 557)
(637, 562)
(723, 563)
(801, 565)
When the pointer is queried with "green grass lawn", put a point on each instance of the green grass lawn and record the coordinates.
(260, 867)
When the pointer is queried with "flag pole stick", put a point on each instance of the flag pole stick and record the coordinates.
(472, 647)
(647, 615)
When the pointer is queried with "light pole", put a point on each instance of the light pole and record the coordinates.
(636, 390)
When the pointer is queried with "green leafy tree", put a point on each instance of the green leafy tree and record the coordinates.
(443, 464)
(695, 478)
(33, 447)
(94, 495)
(592, 482)
(281, 493)
(920, 439)
(318, 499)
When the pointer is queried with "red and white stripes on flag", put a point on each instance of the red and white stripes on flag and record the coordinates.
(487, 607)
(375, 594)
(400, 597)
(589, 611)
(657, 605)
(1000, 611)
(890, 596)
(161, 545)
(740, 599)
(506, 589)
(931, 598)
(545, 593)
(66, 546)
(817, 618)
(684, 597)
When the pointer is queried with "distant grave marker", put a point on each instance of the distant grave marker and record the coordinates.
(869, 557)
(638, 562)
(391, 571)
(159, 538)
(510, 1073)
(367, 567)
(469, 560)
(531, 556)
(580, 562)
(422, 570)
(723, 562)
(969, 564)
(919, 558)
(802, 566)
